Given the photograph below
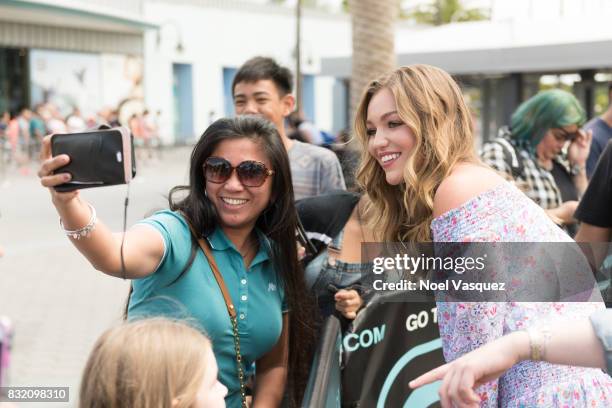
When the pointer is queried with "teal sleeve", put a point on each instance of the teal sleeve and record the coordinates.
(177, 247)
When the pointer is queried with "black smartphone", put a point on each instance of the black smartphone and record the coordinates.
(99, 158)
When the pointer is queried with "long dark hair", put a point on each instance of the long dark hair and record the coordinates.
(278, 222)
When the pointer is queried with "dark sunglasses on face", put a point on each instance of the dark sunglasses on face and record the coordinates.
(563, 135)
(251, 173)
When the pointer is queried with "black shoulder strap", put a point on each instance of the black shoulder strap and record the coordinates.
(512, 158)
(303, 239)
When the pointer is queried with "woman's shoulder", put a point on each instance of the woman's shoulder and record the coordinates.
(167, 221)
(466, 182)
(164, 215)
(490, 211)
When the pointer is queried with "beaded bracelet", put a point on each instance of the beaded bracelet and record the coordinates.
(86, 230)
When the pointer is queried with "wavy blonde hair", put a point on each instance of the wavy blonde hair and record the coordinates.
(145, 364)
(431, 104)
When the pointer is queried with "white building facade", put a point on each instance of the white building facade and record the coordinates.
(85, 54)
(191, 60)
(178, 57)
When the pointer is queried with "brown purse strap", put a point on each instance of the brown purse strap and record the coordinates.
(230, 308)
(213, 265)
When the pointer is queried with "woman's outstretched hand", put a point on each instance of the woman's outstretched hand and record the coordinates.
(462, 376)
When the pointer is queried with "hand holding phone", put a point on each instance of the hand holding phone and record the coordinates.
(98, 158)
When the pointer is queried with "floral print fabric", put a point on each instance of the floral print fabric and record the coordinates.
(504, 214)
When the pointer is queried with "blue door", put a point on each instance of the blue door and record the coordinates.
(308, 97)
(228, 97)
(182, 92)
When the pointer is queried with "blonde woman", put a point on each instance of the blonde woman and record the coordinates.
(426, 183)
(152, 363)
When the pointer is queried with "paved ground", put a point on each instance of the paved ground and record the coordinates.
(59, 304)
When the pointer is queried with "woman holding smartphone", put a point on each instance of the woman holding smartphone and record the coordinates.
(238, 208)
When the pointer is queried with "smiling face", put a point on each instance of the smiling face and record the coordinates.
(553, 141)
(238, 206)
(263, 98)
(390, 141)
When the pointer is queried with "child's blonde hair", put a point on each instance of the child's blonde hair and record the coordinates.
(144, 364)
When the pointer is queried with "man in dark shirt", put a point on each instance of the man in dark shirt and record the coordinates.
(602, 132)
(595, 213)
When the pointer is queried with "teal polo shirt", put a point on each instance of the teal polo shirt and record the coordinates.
(257, 294)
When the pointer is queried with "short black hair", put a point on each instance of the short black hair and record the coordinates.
(259, 68)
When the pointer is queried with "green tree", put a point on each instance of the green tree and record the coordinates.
(439, 12)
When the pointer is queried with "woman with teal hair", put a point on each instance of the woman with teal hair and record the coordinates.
(544, 151)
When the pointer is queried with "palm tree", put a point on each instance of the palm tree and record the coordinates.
(438, 12)
(373, 43)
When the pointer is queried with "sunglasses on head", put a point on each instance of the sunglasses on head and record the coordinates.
(251, 173)
(563, 135)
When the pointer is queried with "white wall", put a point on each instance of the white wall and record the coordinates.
(512, 28)
(543, 10)
(217, 37)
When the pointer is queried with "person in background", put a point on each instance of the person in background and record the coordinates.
(531, 152)
(262, 87)
(293, 132)
(25, 139)
(5, 118)
(595, 216)
(348, 155)
(75, 122)
(113, 120)
(586, 343)
(38, 130)
(12, 134)
(136, 126)
(53, 120)
(150, 131)
(601, 127)
(427, 184)
(120, 370)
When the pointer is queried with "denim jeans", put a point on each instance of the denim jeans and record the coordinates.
(325, 274)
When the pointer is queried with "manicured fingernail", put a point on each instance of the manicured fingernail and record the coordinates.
(66, 177)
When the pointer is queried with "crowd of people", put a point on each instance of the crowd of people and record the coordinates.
(224, 258)
(22, 131)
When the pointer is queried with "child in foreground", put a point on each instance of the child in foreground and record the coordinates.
(152, 363)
